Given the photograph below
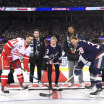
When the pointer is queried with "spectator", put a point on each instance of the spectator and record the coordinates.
(36, 56)
(53, 56)
(72, 56)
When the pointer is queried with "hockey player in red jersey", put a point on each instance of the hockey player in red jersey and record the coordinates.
(12, 51)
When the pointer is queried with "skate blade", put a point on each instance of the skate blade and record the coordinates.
(93, 96)
(96, 96)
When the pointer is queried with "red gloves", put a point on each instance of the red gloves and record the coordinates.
(9, 58)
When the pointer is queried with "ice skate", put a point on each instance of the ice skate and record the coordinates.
(96, 93)
(23, 86)
(39, 84)
(4, 90)
(82, 85)
(50, 86)
(56, 85)
(70, 84)
(30, 85)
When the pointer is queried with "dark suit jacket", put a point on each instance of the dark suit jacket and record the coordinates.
(41, 51)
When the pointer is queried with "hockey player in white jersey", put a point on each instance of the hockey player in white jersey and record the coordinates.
(12, 51)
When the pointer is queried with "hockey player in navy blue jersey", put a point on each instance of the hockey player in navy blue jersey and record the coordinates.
(90, 52)
(53, 56)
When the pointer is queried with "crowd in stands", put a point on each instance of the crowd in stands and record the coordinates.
(20, 28)
(90, 28)
(51, 3)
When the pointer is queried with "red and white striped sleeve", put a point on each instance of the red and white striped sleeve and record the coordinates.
(9, 45)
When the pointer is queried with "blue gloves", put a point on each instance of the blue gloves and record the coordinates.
(77, 71)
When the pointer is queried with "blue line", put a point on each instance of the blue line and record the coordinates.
(75, 99)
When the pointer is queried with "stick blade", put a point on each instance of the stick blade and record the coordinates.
(45, 95)
(48, 95)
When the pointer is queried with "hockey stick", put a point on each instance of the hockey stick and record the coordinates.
(18, 66)
(56, 63)
(35, 77)
(48, 95)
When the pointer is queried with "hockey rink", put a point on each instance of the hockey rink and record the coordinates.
(74, 95)
(62, 97)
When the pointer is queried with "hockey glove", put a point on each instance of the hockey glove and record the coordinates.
(9, 58)
(77, 71)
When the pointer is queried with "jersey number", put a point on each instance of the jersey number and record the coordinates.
(81, 51)
(14, 41)
(47, 51)
(97, 46)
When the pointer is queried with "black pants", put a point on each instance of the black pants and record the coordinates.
(10, 77)
(32, 66)
(50, 73)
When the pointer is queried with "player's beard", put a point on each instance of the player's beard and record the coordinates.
(28, 42)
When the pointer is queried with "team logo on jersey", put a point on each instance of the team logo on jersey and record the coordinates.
(17, 53)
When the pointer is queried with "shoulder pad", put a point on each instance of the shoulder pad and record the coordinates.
(20, 38)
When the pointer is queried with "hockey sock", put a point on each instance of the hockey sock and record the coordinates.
(4, 79)
(98, 84)
(20, 78)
